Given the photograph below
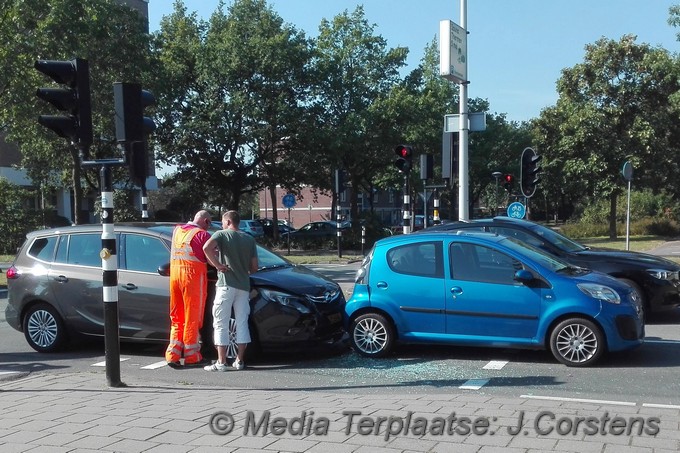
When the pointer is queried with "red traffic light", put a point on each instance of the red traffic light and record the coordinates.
(403, 151)
(509, 179)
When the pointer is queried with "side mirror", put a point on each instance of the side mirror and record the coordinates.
(164, 270)
(524, 276)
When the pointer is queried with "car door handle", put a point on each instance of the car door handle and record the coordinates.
(381, 284)
(130, 286)
(61, 279)
(456, 290)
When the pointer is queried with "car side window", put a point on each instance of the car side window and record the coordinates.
(43, 248)
(84, 249)
(517, 234)
(144, 253)
(482, 264)
(422, 259)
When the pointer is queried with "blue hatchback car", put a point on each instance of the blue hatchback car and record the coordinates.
(481, 289)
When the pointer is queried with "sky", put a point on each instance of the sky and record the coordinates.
(516, 49)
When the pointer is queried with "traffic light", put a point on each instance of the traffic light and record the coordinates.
(529, 173)
(77, 126)
(339, 180)
(404, 160)
(426, 164)
(132, 127)
(508, 182)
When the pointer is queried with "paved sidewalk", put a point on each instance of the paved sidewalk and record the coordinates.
(79, 413)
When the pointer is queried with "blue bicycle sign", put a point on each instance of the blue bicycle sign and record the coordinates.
(516, 210)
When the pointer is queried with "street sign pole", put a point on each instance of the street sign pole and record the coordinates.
(627, 173)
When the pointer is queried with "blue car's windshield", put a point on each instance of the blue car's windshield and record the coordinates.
(561, 242)
(534, 253)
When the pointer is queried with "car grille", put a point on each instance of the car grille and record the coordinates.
(328, 296)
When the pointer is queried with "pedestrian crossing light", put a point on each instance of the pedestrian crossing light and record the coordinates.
(74, 99)
(404, 160)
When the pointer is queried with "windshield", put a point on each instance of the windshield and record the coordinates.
(561, 242)
(534, 253)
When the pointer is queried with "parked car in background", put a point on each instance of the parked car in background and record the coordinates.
(316, 230)
(656, 279)
(268, 227)
(55, 291)
(252, 227)
(479, 289)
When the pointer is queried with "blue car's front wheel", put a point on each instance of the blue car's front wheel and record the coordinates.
(372, 335)
(577, 342)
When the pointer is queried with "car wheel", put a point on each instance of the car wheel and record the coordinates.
(232, 348)
(577, 342)
(372, 335)
(43, 328)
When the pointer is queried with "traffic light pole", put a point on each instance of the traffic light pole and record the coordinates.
(406, 228)
(109, 258)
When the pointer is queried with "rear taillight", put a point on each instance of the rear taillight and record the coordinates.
(12, 273)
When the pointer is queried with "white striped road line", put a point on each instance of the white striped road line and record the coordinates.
(156, 365)
(578, 400)
(8, 372)
(661, 406)
(495, 365)
(104, 362)
(474, 384)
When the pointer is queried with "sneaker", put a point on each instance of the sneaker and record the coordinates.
(216, 367)
(238, 365)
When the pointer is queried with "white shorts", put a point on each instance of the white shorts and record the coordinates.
(225, 299)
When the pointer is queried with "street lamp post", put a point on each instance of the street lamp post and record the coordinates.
(497, 175)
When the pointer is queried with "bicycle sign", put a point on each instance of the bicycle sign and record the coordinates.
(516, 210)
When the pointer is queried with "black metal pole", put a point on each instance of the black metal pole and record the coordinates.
(110, 282)
(338, 223)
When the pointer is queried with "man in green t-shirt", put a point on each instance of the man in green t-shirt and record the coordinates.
(234, 254)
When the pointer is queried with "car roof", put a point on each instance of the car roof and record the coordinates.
(159, 228)
(439, 235)
(488, 221)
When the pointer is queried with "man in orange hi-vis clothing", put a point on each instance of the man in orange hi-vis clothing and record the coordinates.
(188, 290)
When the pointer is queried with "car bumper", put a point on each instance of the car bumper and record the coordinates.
(12, 317)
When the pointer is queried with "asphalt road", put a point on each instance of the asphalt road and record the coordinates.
(646, 375)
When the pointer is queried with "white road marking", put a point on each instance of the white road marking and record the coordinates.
(153, 366)
(8, 372)
(495, 365)
(104, 362)
(474, 384)
(578, 400)
(661, 406)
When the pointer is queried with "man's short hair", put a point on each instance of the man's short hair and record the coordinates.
(233, 216)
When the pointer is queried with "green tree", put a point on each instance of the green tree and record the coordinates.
(356, 73)
(61, 30)
(231, 99)
(618, 105)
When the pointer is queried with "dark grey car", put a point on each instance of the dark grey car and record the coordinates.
(55, 289)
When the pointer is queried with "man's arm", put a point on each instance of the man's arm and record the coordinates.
(253, 264)
(210, 250)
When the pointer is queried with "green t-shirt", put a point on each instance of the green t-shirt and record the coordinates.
(236, 250)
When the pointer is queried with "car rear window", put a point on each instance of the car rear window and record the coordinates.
(43, 248)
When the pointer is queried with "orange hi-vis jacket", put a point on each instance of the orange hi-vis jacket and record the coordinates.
(188, 290)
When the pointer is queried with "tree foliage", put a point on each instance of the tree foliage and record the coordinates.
(617, 105)
(63, 30)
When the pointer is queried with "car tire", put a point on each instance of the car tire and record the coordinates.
(44, 329)
(372, 335)
(577, 342)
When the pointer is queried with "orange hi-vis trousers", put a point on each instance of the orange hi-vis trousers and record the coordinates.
(188, 292)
